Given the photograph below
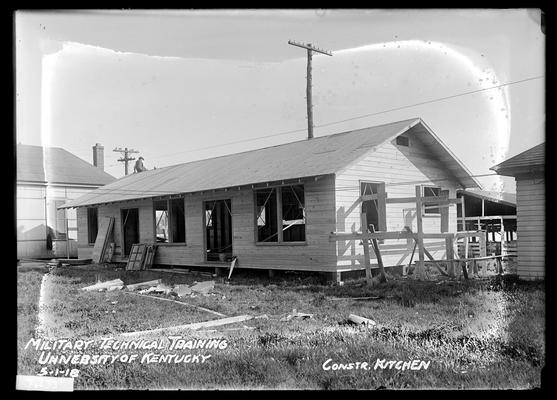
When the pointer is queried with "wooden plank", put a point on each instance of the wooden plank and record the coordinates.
(420, 266)
(449, 251)
(397, 235)
(461, 234)
(232, 264)
(382, 207)
(382, 275)
(463, 213)
(179, 302)
(360, 320)
(377, 235)
(363, 219)
(109, 253)
(405, 271)
(376, 196)
(144, 284)
(103, 285)
(149, 256)
(425, 200)
(195, 326)
(469, 259)
(444, 213)
(435, 235)
(101, 241)
(135, 260)
(415, 237)
(489, 217)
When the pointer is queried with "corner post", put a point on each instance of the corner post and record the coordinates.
(420, 266)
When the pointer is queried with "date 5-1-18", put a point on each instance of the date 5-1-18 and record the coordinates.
(73, 373)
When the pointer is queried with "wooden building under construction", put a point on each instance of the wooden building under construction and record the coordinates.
(275, 208)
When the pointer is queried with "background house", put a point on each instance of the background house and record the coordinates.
(528, 169)
(276, 207)
(46, 178)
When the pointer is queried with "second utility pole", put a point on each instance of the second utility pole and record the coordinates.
(310, 49)
(126, 159)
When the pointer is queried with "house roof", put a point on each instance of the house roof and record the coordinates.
(529, 161)
(55, 165)
(306, 158)
(506, 198)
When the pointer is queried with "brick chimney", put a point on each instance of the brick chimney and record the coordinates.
(98, 156)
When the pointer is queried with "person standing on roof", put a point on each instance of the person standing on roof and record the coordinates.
(139, 167)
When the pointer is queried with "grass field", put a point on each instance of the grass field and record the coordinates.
(476, 334)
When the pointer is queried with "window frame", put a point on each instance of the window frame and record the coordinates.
(428, 213)
(60, 230)
(278, 199)
(171, 241)
(381, 203)
(89, 225)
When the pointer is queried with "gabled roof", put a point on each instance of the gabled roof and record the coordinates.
(306, 158)
(505, 198)
(54, 165)
(529, 161)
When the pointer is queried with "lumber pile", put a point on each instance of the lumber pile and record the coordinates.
(141, 257)
(103, 238)
(156, 286)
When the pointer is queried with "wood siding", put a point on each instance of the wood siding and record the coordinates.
(393, 165)
(316, 254)
(530, 210)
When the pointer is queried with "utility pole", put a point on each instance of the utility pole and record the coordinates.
(125, 158)
(310, 49)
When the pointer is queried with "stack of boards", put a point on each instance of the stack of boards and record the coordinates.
(141, 257)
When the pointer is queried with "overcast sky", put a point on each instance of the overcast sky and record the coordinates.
(179, 85)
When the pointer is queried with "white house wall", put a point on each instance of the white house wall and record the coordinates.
(401, 168)
(530, 211)
(35, 210)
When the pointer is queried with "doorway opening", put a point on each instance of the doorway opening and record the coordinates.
(218, 230)
(375, 209)
(130, 229)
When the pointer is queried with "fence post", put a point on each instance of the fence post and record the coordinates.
(365, 242)
(420, 265)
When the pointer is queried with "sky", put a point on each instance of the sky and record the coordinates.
(183, 85)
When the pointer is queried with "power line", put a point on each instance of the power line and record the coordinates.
(229, 143)
(429, 101)
(356, 117)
